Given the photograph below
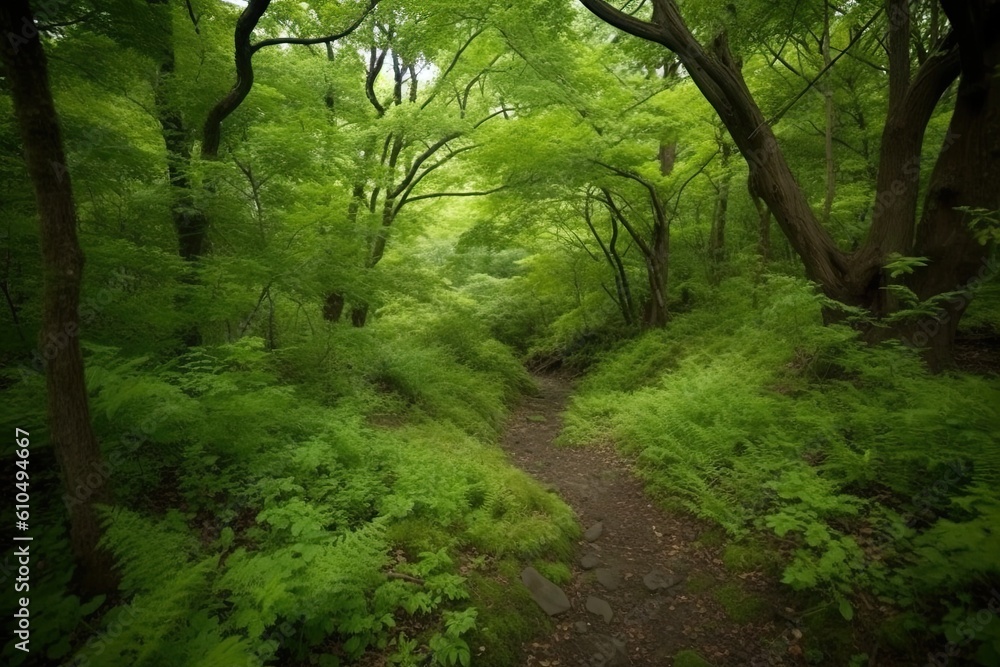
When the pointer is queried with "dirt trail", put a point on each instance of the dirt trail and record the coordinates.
(647, 628)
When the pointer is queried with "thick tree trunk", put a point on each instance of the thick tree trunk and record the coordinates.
(966, 175)
(73, 439)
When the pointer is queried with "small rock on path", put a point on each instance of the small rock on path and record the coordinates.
(549, 597)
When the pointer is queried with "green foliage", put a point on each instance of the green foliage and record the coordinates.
(879, 476)
(257, 519)
(294, 489)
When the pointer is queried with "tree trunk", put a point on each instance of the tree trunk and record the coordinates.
(77, 451)
(967, 175)
(190, 223)
(764, 230)
(717, 235)
(623, 292)
(656, 314)
(333, 307)
(829, 118)
(359, 315)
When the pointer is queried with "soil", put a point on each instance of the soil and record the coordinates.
(639, 537)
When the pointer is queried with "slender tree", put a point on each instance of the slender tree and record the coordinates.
(77, 450)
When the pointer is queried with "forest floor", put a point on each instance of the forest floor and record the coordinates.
(702, 615)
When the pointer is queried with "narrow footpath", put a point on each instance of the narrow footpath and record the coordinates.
(645, 586)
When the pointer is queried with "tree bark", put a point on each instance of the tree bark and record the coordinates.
(967, 174)
(190, 223)
(763, 227)
(829, 118)
(333, 306)
(655, 251)
(73, 440)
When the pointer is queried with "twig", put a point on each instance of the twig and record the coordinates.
(405, 577)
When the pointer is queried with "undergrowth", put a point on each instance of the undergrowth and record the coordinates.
(337, 497)
(879, 478)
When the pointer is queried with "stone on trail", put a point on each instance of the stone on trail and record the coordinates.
(598, 606)
(549, 597)
(660, 580)
(606, 650)
(581, 627)
(608, 578)
(590, 561)
(594, 532)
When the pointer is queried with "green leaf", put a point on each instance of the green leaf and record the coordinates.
(846, 609)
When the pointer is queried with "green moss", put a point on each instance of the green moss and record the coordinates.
(699, 582)
(536, 418)
(714, 537)
(690, 659)
(508, 616)
(740, 605)
(558, 573)
(750, 556)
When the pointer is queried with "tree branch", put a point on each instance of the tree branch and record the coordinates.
(243, 55)
(420, 159)
(305, 41)
(456, 194)
(450, 67)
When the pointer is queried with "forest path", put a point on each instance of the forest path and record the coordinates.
(648, 627)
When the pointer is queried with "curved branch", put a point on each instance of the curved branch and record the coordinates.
(481, 193)
(630, 24)
(307, 41)
(212, 131)
(243, 55)
(451, 66)
(420, 159)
